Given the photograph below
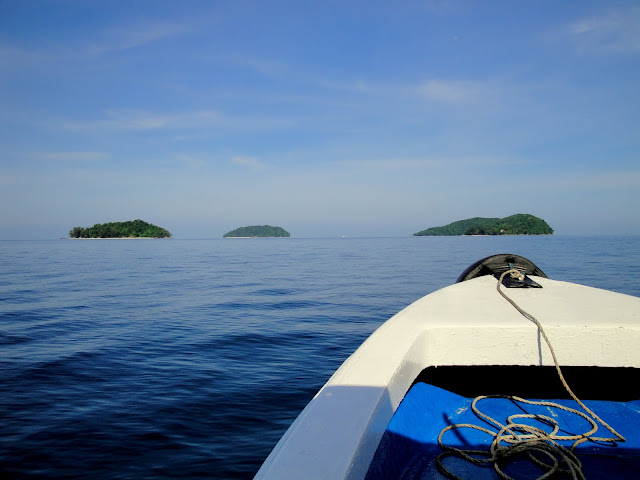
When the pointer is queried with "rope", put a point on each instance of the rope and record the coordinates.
(520, 439)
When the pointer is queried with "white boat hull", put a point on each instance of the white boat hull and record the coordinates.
(468, 323)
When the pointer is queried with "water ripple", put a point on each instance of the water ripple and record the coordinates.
(189, 359)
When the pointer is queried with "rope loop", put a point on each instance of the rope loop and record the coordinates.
(517, 440)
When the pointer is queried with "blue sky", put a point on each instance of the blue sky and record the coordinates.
(327, 118)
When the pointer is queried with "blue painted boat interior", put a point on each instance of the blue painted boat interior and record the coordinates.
(409, 446)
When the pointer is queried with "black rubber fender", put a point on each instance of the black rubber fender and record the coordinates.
(496, 265)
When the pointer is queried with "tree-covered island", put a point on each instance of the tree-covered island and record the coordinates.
(257, 231)
(130, 229)
(519, 224)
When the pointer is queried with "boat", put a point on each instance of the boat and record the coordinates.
(504, 374)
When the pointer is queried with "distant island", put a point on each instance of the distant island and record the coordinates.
(130, 229)
(519, 224)
(257, 231)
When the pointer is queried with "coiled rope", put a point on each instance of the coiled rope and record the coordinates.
(517, 438)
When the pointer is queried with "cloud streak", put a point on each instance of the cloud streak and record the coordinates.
(139, 120)
(177, 108)
(126, 38)
(606, 180)
(75, 156)
(449, 91)
(144, 120)
(437, 162)
(253, 163)
(616, 31)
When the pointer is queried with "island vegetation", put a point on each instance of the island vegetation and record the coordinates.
(130, 229)
(519, 224)
(257, 231)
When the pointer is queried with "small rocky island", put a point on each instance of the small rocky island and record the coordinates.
(130, 229)
(257, 231)
(519, 224)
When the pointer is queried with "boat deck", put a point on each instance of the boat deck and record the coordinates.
(409, 446)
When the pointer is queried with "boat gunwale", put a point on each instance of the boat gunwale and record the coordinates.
(337, 433)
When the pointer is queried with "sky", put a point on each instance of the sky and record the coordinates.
(327, 118)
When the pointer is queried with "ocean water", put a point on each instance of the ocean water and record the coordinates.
(128, 359)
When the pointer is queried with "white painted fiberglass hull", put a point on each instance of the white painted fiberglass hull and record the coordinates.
(468, 323)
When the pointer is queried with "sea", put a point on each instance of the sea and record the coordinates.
(175, 358)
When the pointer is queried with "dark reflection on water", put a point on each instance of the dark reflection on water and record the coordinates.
(190, 358)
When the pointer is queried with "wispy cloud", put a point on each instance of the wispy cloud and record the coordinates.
(357, 86)
(452, 162)
(449, 91)
(189, 161)
(592, 181)
(615, 31)
(16, 58)
(393, 163)
(253, 163)
(75, 156)
(437, 90)
(101, 42)
(134, 36)
(606, 180)
(144, 120)
(266, 67)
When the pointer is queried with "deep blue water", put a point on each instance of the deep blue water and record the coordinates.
(127, 359)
